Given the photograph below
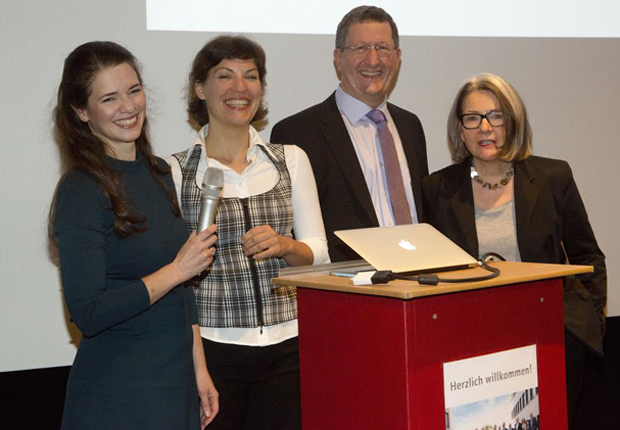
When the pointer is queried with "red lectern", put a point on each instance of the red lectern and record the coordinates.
(371, 356)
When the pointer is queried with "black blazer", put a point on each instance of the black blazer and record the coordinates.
(552, 227)
(343, 194)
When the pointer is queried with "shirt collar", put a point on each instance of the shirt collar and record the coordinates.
(354, 109)
(256, 143)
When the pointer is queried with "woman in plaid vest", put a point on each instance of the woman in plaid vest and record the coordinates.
(269, 218)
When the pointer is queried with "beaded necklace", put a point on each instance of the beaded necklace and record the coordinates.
(502, 183)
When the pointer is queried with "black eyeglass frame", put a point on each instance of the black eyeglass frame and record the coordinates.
(483, 116)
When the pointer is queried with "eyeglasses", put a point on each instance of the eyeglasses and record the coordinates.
(364, 50)
(472, 121)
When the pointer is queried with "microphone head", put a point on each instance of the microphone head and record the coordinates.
(213, 182)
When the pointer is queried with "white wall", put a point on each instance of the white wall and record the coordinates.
(571, 18)
(570, 86)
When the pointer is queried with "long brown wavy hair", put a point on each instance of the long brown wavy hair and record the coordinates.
(81, 149)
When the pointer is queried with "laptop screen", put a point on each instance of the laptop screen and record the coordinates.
(411, 248)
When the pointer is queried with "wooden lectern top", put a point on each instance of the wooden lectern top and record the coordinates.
(511, 273)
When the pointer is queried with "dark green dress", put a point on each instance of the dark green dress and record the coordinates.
(134, 366)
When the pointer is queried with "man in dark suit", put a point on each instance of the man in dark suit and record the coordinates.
(518, 425)
(361, 182)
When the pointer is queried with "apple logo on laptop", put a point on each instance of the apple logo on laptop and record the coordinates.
(405, 244)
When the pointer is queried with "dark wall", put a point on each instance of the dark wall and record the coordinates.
(33, 399)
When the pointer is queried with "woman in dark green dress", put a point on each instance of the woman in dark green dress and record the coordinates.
(124, 256)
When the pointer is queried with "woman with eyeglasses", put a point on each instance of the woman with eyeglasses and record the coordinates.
(499, 197)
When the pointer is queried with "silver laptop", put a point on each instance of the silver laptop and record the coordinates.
(412, 248)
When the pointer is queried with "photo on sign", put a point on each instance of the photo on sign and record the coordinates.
(515, 411)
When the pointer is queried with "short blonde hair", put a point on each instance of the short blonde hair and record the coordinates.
(518, 145)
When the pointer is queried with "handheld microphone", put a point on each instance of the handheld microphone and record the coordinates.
(212, 184)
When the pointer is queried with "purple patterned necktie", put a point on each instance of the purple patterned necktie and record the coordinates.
(398, 198)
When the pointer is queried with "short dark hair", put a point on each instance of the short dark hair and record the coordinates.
(518, 145)
(362, 14)
(213, 53)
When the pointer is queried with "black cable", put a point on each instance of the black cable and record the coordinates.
(488, 255)
(384, 276)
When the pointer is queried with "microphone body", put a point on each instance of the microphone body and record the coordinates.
(212, 184)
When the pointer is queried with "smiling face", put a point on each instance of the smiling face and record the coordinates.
(483, 142)
(116, 107)
(232, 93)
(367, 77)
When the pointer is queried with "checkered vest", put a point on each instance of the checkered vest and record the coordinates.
(236, 291)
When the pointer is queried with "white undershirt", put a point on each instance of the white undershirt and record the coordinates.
(363, 133)
(259, 177)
